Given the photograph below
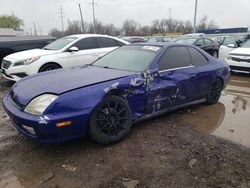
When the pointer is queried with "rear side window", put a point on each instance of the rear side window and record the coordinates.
(106, 42)
(208, 42)
(199, 42)
(86, 44)
(197, 58)
(175, 57)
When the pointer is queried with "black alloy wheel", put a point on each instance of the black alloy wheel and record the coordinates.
(110, 121)
(48, 67)
(215, 91)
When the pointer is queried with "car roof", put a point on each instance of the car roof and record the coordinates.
(159, 44)
(89, 35)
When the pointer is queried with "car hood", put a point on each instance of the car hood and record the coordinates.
(30, 53)
(241, 51)
(61, 81)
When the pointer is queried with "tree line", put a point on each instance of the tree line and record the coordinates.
(129, 27)
(132, 28)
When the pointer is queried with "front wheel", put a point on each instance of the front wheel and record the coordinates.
(213, 95)
(110, 121)
(48, 67)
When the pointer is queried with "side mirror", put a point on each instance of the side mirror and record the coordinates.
(152, 72)
(198, 45)
(231, 46)
(73, 49)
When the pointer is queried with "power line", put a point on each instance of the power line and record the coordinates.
(61, 12)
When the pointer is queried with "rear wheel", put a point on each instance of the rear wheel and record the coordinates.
(110, 121)
(48, 67)
(213, 95)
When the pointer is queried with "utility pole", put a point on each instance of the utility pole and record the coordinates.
(61, 16)
(195, 14)
(170, 13)
(80, 9)
(69, 23)
(40, 30)
(35, 32)
(93, 10)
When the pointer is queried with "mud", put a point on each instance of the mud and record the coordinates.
(200, 146)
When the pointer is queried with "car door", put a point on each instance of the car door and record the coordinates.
(107, 45)
(87, 53)
(204, 75)
(174, 85)
(210, 47)
(226, 47)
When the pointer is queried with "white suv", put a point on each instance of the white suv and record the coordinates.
(68, 51)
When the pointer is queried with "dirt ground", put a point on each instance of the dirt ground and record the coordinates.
(200, 146)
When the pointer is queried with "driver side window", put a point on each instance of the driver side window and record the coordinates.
(86, 44)
(175, 57)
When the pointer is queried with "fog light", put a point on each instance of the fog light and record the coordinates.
(29, 129)
(62, 124)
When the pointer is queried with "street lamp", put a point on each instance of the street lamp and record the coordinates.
(195, 14)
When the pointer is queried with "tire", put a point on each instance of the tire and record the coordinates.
(48, 67)
(215, 54)
(214, 93)
(110, 121)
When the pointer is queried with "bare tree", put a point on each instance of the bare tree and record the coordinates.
(205, 23)
(74, 27)
(56, 33)
(130, 27)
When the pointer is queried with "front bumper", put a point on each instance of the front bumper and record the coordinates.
(239, 66)
(15, 74)
(45, 130)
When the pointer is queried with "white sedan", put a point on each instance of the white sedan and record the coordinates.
(239, 59)
(68, 51)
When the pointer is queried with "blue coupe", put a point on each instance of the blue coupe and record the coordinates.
(105, 98)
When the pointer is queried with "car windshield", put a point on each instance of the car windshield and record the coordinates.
(246, 45)
(60, 43)
(185, 41)
(130, 58)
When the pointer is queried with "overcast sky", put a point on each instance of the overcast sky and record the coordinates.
(45, 13)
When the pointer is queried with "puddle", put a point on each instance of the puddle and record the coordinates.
(230, 118)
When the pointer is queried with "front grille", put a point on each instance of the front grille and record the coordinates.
(240, 59)
(6, 64)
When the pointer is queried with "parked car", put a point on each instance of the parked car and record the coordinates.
(205, 44)
(227, 44)
(68, 51)
(9, 45)
(239, 59)
(194, 35)
(241, 39)
(104, 99)
(134, 39)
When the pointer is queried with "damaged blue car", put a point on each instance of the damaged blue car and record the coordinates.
(104, 99)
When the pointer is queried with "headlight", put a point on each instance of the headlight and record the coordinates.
(229, 58)
(26, 61)
(38, 105)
